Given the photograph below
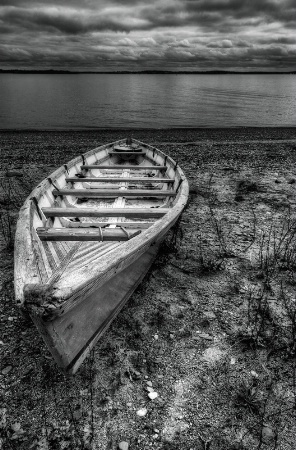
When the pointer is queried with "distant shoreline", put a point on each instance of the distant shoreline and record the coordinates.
(183, 129)
(144, 72)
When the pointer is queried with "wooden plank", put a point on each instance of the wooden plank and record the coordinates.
(119, 180)
(100, 193)
(123, 167)
(85, 234)
(143, 225)
(105, 212)
(71, 336)
(123, 153)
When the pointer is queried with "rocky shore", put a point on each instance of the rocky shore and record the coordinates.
(203, 355)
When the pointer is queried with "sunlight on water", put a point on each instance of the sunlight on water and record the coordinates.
(146, 101)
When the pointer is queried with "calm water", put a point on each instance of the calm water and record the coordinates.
(146, 101)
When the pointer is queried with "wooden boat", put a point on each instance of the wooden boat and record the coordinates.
(86, 237)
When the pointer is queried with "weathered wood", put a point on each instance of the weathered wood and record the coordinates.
(105, 212)
(101, 193)
(124, 152)
(142, 225)
(87, 279)
(71, 336)
(85, 234)
(25, 268)
(109, 179)
(123, 167)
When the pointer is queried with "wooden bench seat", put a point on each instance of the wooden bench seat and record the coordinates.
(100, 193)
(78, 224)
(123, 167)
(123, 153)
(119, 180)
(105, 212)
(86, 234)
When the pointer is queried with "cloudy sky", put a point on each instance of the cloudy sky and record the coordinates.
(106, 35)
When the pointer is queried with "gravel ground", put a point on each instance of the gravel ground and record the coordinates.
(212, 328)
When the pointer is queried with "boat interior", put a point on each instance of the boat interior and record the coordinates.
(98, 201)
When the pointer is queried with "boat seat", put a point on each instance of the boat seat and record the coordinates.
(119, 179)
(122, 167)
(123, 153)
(86, 234)
(100, 193)
(78, 224)
(105, 212)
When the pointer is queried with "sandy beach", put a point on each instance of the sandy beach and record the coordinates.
(211, 329)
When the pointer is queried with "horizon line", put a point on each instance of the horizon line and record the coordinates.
(175, 72)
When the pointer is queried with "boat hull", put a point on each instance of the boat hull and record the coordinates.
(71, 336)
(74, 290)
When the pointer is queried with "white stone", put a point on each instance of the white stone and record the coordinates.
(142, 412)
(123, 445)
(152, 395)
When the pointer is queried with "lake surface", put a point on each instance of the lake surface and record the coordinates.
(82, 101)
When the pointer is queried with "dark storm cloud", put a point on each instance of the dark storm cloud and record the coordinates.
(291, 40)
(63, 21)
(129, 34)
(206, 13)
(269, 9)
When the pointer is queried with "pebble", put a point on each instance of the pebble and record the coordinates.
(254, 374)
(129, 404)
(6, 370)
(267, 434)
(149, 383)
(82, 392)
(142, 412)
(15, 427)
(152, 395)
(204, 336)
(156, 337)
(150, 389)
(123, 445)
